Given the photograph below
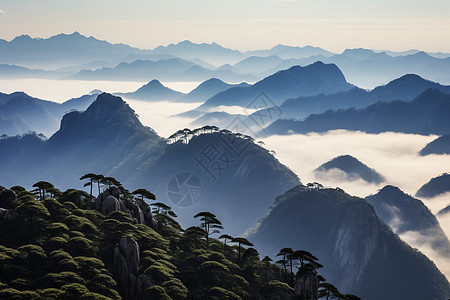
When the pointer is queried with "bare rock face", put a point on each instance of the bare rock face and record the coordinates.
(110, 204)
(125, 266)
(109, 201)
(306, 283)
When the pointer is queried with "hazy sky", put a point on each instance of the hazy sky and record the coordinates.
(334, 25)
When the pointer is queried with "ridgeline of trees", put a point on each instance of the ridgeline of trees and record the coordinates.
(57, 245)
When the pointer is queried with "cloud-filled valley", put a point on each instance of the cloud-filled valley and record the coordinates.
(187, 122)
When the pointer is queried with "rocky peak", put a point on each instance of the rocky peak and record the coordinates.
(110, 200)
(126, 262)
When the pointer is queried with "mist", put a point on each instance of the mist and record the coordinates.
(393, 155)
(62, 90)
(160, 115)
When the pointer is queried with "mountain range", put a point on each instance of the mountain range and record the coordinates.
(61, 50)
(426, 114)
(197, 170)
(404, 88)
(93, 59)
(107, 138)
(156, 91)
(20, 113)
(173, 69)
(294, 82)
(360, 252)
(367, 68)
(406, 214)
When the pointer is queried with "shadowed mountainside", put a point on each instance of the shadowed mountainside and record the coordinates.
(360, 252)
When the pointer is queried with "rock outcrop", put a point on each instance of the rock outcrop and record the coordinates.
(125, 267)
(306, 283)
(110, 200)
(7, 197)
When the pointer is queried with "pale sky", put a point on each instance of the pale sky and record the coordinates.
(244, 25)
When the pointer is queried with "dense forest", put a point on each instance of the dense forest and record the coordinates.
(126, 245)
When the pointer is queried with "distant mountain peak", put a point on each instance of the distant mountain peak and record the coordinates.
(352, 168)
(21, 38)
(155, 82)
(185, 42)
(358, 53)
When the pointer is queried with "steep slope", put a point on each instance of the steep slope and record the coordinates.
(360, 252)
(21, 113)
(99, 139)
(350, 169)
(294, 82)
(407, 214)
(426, 114)
(153, 91)
(33, 112)
(441, 145)
(436, 186)
(206, 90)
(234, 177)
(404, 88)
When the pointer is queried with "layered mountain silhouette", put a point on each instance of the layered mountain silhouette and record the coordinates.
(207, 89)
(406, 214)
(360, 252)
(367, 68)
(348, 168)
(426, 114)
(108, 139)
(294, 82)
(441, 145)
(61, 50)
(404, 88)
(212, 53)
(75, 52)
(153, 91)
(257, 64)
(18, 72)
(436, 186)
(173, 69)
(285, 52)
(138, 70)
(20, 113)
